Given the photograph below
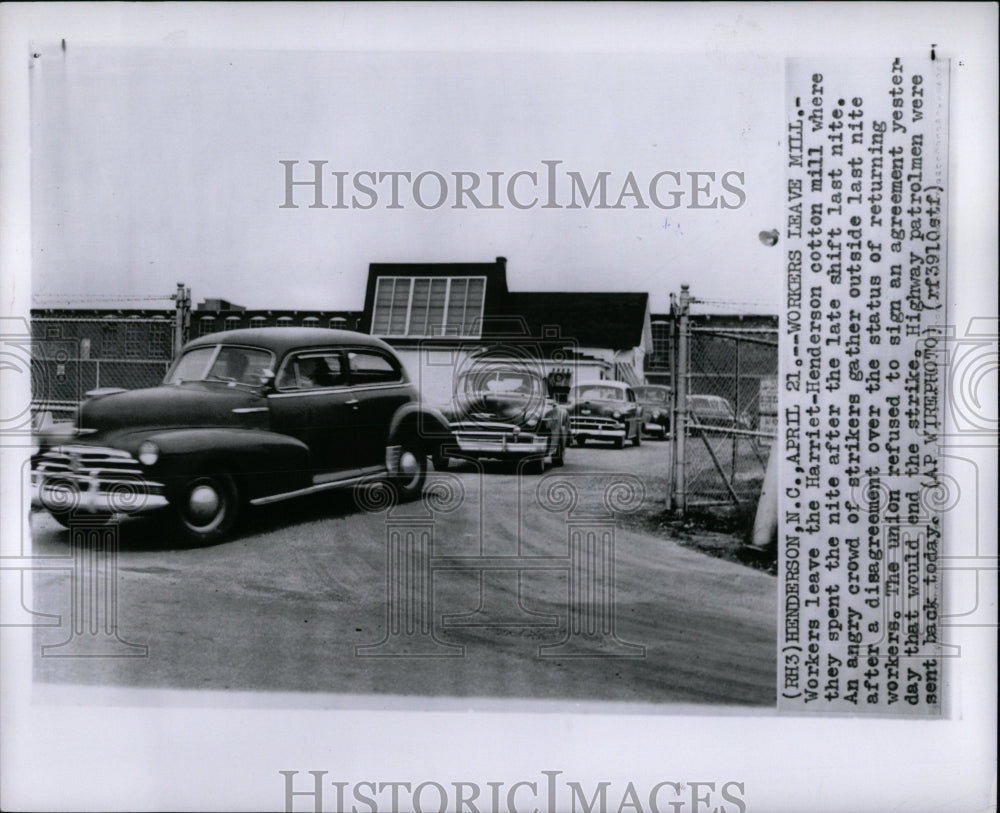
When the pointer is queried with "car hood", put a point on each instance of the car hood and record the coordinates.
(506, 407)
(188, 405)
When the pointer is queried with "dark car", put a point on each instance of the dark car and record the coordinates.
(605, 410)
(656, 401)
(243, 417)
(502, 410)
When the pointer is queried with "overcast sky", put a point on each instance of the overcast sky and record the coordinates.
(153, 166)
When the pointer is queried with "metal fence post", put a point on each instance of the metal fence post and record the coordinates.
(182, 318)
(737, 406)
(678, 499)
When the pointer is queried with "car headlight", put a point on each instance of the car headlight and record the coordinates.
(532, 421)
(616, 414)
(149, 453)
(656, 414)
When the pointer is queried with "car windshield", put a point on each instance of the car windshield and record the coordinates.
(230, 365)
(652, 395)
(599, 393)
(500, 382)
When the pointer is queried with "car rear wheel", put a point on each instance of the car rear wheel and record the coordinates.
(207, 508)
(411, 471)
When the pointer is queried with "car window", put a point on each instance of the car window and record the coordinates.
(372, 367)
(311, 370)
(231, 365)
(500, 382)
(651, 394)
(629, 395)
(598, 393)
(192, 366)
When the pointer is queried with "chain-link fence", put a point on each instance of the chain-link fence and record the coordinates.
(725, 398)
(73, 354)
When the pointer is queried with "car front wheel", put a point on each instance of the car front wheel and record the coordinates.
(411, 471)
(207, 508)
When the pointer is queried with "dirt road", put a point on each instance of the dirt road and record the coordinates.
(506, 586)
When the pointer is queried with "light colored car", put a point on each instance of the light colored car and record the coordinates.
(712, 411)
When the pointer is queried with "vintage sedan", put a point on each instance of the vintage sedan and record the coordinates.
(656, 401)
(712, 412)
(243, 417)
(503, 411)
(605, 410)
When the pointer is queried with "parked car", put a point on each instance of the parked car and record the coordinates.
(605, 410)
(243, 417)
(712, 411)
(502, 410)
(656, 401)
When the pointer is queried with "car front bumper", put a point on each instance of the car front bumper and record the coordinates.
(502, 445)
(93, 480)
(93, 496)
(498, 440)
(597, 428)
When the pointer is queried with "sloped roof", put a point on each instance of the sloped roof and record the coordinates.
(611, 320)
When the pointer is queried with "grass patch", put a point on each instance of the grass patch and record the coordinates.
(723, 531)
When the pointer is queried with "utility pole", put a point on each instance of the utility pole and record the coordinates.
(182, 317)
(678, 496)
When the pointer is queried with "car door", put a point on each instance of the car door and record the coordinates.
(634, 410)
(313, 402)
(379, 387)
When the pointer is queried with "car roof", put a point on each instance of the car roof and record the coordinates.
(282, 339)
(621, 385)
(664, 387)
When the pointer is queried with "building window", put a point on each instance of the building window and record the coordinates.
(310, 321)
(428, 306)
(159, 343)
(258, 321)
(284, 321)
(232, 322)
(338, 323)
(133, 342)
(659, 359)
(206, 326)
